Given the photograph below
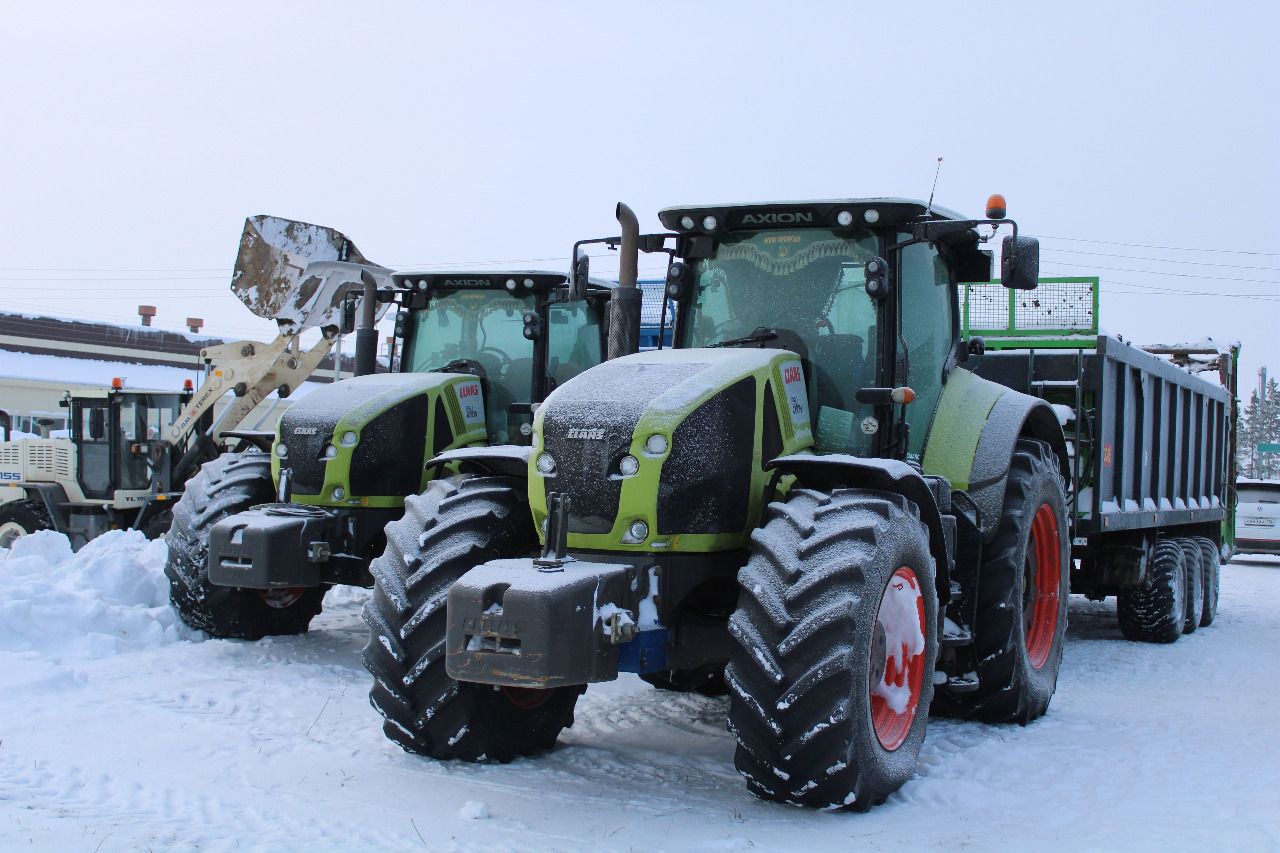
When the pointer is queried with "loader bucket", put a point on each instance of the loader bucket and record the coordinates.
(299, 274)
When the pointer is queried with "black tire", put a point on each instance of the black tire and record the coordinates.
(229, 484)
(705, 680)
(1154, 613)
(1211, 576)
(21, 518)
(456, 524)
(158, 526)
(812, 729)
(1194, 599)
(1023, 587)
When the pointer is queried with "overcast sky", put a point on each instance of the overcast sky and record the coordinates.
(1139, 141)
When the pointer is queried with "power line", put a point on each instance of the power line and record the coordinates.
(1162, 260)
(1165, 248)
(1176, 274)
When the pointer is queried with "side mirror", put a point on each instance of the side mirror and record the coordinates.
(1020, 263)
(348, 323)
(580, 275)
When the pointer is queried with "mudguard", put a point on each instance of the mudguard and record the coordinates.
(510, 460)
(972, 437)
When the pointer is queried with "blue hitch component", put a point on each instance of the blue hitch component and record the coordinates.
(646, 653)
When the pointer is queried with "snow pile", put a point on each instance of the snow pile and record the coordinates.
(110, 598)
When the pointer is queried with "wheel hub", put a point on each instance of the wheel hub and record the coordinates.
(9, 531)
(896, 668)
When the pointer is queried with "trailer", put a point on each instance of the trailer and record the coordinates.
(1151, 446)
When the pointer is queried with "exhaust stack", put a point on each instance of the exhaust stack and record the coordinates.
(624, 310)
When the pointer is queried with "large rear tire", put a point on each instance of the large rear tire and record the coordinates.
(1194, 578)
(227, 485)
(1211, 571)
(1154, 613)
(835, 639)
(1023, 586)
(22, 518)
(456, 524)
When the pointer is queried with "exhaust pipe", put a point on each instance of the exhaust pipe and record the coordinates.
(366, 334)
(624, 306)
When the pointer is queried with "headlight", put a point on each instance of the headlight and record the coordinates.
(636, 533)
(339, 493)
(349, 439)
(628, 465)
(656, 444)
(330, 452)
(546, 464)
(282, 451)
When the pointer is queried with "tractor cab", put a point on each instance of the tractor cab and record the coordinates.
(114, 437)
(864, 291)
(518, 332)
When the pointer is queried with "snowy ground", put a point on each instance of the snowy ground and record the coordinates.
(122, 730)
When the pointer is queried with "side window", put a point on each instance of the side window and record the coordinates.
(927, 329)
(573, 340)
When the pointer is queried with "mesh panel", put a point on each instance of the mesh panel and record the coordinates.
(1057, 305)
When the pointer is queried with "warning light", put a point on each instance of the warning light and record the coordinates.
(187, 385)
(996, 208)
(116, 383)
(902, 395)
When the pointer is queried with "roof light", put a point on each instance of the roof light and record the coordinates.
(996, 207)
(844, 218)
(116, 383)
(710, 222)
(687, 223)
(511, 284)
(187, 385)
(871, 215)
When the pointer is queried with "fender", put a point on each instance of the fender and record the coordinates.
(972, 437)
(508, 460)
(838, 470)
(55, 500)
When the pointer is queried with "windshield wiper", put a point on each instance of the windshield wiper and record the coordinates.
(755, 337)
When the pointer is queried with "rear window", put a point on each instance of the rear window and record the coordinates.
(1259, 493)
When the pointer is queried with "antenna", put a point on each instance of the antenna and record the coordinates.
(934, 188)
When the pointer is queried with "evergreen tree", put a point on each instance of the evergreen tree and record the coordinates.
(1260, 424)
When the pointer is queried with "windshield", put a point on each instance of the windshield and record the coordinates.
(482, 326)
(802, 289)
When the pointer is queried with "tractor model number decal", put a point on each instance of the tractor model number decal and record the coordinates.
(10, 475)
(471, 401)
(793, 386)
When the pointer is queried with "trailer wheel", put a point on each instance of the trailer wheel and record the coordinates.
(1023, 586)
(1210, 572)
(1154, 613)
(229, 484)
(456, 524)
(835, 638)
(1194, 577)
(20, 518)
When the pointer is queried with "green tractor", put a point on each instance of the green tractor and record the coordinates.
(259, 537)
(809, 502)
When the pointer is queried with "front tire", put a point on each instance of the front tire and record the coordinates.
(229, 484)
(456, 524)
(22, 518)
(835, 639)
(1021, 620)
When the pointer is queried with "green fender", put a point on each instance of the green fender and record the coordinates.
(973, 434)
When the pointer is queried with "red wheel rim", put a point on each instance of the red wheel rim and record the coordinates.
(526, 698)
(1040, 593)
(279, 599)
(897, 659)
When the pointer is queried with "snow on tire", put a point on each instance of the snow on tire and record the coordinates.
(22, 518)
(1023, 587)
(224, 486)
(835, 638)
(456, 524)
(1194, 579)
(1211, 573)
(1154, 613)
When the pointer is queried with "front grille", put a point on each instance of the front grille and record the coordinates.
(583, 465)
(305, 449)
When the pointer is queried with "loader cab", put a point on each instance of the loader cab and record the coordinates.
(519, 332)
(114, 436)
(864, 291)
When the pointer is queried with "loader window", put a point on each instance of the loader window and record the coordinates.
(805, 283)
